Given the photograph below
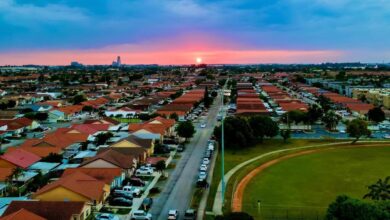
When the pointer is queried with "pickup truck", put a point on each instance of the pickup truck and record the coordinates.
(129, 190)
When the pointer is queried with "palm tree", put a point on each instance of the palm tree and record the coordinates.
(380, 190)
(15, 175)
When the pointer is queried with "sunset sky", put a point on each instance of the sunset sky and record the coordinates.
(56, 32)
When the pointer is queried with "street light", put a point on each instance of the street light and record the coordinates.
(222, 149)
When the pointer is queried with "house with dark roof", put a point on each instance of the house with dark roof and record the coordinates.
(49, 210)
(112, 159)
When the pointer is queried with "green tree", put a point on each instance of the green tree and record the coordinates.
(17, 172)
(286, 134)
(41, 116)
(87, 108)
(79, 98)
(185, 129)
(341, 76)
(263, 126)
(331, 119)
(174, 116)
(379, 190)
(325, 103)
(237, 133)
(161, 166)
(52, 158)
(314, 113)
(376, 114)
(357, 128)
(102, 138)
(346, 208)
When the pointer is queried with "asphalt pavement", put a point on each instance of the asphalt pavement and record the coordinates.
(178, 191)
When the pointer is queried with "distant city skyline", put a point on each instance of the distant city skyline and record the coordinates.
(58, 32)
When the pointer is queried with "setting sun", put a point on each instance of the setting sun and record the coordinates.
(198, 60)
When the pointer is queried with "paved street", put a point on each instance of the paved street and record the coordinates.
(178, 191)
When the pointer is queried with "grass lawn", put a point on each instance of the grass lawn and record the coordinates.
(128, 120)
(303, 186)
(234, 157)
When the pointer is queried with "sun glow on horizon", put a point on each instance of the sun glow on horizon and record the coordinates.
(198, 60)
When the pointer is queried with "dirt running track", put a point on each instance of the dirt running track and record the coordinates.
(239, 192)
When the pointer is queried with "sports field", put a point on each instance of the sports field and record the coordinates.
(303, 186)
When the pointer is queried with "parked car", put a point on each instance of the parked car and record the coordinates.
(202, 175)
(130, 190)
(144, 171)
(190, 214)
(140, 215)
(203, 167)
(203, 125)
(134, 181)
(147, 203)
(180, 148)
(206, 161)
(106, 216)
(120, 201)
(173, 214)
(125, 195)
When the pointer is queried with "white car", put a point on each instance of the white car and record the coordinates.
(144, 171)
(210, 147)
(131, 190)
(203, 125)
(203, 167)
(173, 214)
(106, 216)
(140, 215)
(206, 161)
(202, 175)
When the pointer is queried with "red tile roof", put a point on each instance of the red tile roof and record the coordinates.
(79, 183)
(22, 214)
(20, 158)
(47, 209)
(106, 175)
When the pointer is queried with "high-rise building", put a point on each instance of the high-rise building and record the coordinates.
(117, 63)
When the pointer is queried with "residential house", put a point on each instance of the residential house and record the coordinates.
(18, 158)
(91, 129)
(113, 177)
(136, 142)
(56, 143)
(49, 210)
(124, 112)
(78, 187)
(16, 127)
(112, 159)
(140, 154)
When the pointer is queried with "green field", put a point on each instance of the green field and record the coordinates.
(235, 157)
(303, 186)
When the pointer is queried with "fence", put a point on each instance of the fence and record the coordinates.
(273, 212)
